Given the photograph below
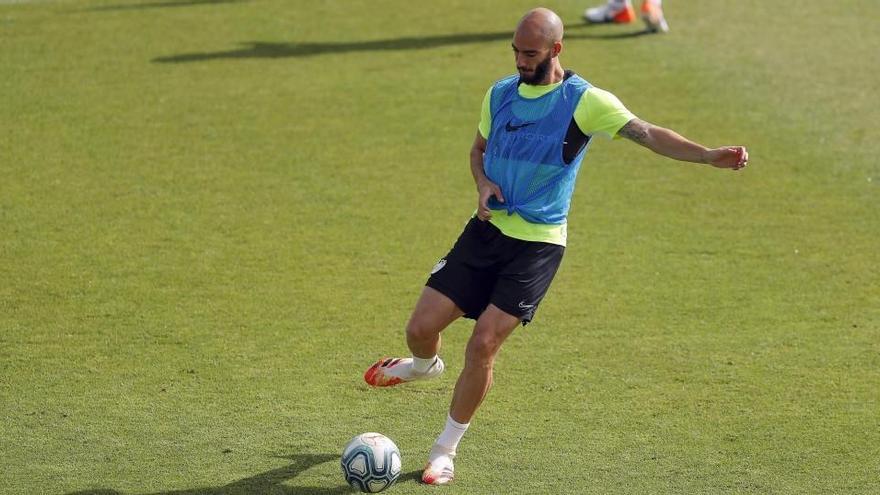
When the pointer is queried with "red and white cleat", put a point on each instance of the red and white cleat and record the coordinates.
(439, 470)
(388, 372)
(611, 12)
(652, 14)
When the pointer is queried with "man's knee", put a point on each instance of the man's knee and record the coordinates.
(491, 331)
(481, 350)
(418, 329)
(434, 311)
(484, 344)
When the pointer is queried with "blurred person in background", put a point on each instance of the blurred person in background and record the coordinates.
(622, 12)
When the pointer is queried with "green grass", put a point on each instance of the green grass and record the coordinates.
(215, 215)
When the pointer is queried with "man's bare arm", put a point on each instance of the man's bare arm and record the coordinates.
(669, 143)
(485, 187)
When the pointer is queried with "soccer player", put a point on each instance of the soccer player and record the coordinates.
(621, 11)
(535, 129)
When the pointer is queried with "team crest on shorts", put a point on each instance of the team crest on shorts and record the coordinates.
(439, 266)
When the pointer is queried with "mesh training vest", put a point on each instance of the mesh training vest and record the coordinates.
(524, 151)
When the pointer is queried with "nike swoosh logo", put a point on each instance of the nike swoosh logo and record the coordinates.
(511, 128)
(525, 306)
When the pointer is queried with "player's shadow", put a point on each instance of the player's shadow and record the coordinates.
(410, 476)
(158, 5)
(269, 482)
(259, 49)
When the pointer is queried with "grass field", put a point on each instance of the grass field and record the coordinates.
(215, 214)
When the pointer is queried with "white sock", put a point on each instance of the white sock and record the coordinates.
(422, 365)
(451, 435)
(618, 4)
(658, 3)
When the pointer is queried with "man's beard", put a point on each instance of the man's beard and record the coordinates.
(540, 73)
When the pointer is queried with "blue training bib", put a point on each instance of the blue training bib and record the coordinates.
(524, 153)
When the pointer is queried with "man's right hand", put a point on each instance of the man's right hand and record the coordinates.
(487, 188)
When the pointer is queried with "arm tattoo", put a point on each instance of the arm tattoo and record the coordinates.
(635, 130)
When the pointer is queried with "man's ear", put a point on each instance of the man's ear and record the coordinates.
(557, 48)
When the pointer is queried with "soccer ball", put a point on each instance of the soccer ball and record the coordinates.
(371, 462)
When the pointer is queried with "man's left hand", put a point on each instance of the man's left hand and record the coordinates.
(732, 157)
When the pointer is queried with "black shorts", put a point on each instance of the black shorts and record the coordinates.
(486, 266)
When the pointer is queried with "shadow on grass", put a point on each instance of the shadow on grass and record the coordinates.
(258, 49)
(410, 476)
(159, 5)
(267, 482)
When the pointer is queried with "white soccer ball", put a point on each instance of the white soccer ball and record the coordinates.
(371, 462)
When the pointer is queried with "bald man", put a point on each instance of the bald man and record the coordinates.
(535, 129)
